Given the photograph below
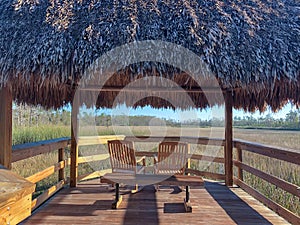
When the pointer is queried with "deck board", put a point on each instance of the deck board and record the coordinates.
(90, 203)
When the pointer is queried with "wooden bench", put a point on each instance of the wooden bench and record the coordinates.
(15, 197)
(147, 179)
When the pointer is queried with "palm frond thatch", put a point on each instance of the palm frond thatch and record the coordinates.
(251, 47)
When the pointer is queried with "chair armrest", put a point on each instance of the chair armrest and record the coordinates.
(143, 160)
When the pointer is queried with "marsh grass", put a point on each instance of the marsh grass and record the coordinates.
(287, 139)
(30, 166)
(287, 171)
(23, 135)
(284, 170)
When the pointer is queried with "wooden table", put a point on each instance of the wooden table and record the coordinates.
(146, 179)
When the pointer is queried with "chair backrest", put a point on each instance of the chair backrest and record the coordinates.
(122, 156)
(172, 157)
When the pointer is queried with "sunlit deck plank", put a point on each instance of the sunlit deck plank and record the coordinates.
(90, 203)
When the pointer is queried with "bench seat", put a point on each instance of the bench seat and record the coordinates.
(147, 179)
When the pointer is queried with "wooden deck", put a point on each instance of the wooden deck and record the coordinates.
(90, 203)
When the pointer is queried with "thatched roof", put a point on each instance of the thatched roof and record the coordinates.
(251, 47)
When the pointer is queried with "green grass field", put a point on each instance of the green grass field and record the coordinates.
(286, 139)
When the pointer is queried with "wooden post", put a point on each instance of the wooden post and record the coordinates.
(228, 139)
(74, 145)
(61, 172)
(6, 127)
(188, 163)
(239, 157)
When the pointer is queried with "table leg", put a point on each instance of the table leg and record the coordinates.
(118, 197)
(187, 193)
(187, 205)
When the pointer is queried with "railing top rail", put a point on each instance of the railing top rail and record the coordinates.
(23, 151)
(238, 142)
(39, 143)
(289, 155)
(189, 139)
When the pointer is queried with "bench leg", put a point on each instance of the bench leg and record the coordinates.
(187, 204)
(187, 193)
(118, 198)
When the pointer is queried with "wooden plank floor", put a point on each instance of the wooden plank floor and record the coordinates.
(90, 203)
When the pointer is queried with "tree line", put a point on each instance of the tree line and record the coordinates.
(24, 115)
(290, 121)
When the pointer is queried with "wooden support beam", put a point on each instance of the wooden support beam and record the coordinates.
(228, 139)
(6, 127)
(149, 89)
(74, 144)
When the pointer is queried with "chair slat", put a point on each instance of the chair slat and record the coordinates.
(122, 156)
(172, 157)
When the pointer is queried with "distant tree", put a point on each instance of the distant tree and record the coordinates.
(292, 119)
(65, 118)
(269, 120)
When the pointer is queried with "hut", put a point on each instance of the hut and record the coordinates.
(51, 49)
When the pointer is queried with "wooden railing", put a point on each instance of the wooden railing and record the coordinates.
(191, 140)
(95, 140)
(272, 152)
(284, 155)
(32, 149)
(25, 151)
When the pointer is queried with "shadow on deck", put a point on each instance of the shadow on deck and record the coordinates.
(90, 203)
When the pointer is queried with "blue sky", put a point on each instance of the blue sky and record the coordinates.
(180, 115)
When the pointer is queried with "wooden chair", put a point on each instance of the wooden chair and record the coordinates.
(123, 159)
(172, 158)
